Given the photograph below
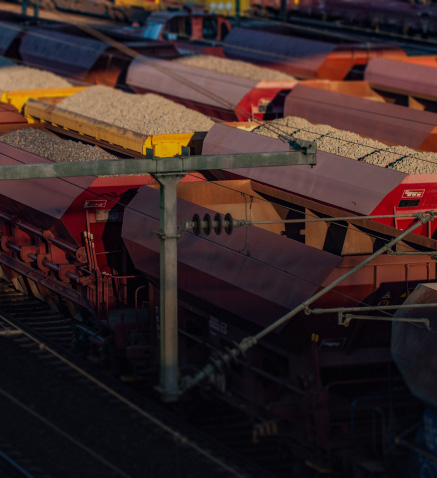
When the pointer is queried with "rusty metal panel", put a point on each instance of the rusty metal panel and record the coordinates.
(8, 33)
(341, 182)
(386, 122)
(10, 115)
(59, 52)
(253, 273)
(168, 79)
(222, 139)
(296, 56)
(401, 77)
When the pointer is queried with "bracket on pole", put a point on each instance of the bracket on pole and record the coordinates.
(345, 319)
(307, 147)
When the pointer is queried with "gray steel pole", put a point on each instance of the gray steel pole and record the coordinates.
(169, 386)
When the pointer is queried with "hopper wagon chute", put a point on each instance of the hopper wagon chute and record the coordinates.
(77, 56)
(9, 38)
(342, 183)
(232, 286)
(414, 82)
(301, 57)
(61, 242)
(218, 95)
(9, 114)
(389, 123)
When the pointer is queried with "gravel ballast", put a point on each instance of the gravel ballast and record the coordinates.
(237, 68)
(146, 114)
(351, 145)
(50, 147)
(25, 78)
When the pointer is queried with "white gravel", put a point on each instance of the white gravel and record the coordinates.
(25, 78)
(147, 114)
(351, 145)
(237, 68)
(50, 147)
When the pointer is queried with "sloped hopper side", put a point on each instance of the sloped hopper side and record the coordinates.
(61, 53)
(213, 95)
(335, 180)
(399, 76)
(414, 348)
(260, 286)
(293, 55)
(41, 203)
(8, 33)
(383, 121)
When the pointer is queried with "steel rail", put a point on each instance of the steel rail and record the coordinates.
(15, 466)
(167, 429)
(248, 342)
(63, 433)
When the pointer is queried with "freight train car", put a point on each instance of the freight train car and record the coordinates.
(97, 253)
(399, 16)
(419, 16)
(118, 10)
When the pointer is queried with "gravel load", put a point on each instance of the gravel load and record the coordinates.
(146, 114)
(238, 68)
(351, 145)
(25, 78)
(50, 147)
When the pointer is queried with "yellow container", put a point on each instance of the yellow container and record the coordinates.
(19, 98)
(166, 145)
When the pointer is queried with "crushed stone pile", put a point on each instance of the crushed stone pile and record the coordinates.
(351, 145)
(25, 78)
(146, 114)
(238, 68)
(50, 147)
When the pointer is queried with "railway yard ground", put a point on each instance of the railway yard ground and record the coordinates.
(57, 423)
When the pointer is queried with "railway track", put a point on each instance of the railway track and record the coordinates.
(14, 465)
(227, 447)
